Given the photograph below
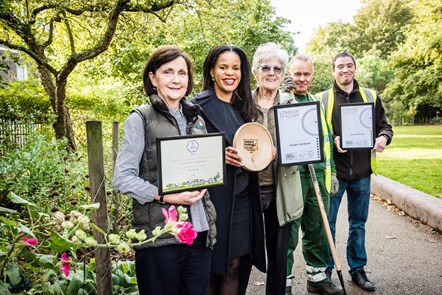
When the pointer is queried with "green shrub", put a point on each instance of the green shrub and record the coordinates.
(25, 101)
(44, 173)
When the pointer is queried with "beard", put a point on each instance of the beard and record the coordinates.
(346, 81)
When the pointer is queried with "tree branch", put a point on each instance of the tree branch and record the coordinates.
(100, 47)
(88, 8)
(69, 30)
(150, 8)
(34, 56)
(51, 33)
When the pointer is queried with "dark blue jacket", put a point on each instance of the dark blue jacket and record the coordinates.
(223, 197)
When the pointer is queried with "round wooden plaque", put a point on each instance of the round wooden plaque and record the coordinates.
(255, 145)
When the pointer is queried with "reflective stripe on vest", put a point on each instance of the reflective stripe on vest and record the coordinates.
(328, 99)
(327, 153)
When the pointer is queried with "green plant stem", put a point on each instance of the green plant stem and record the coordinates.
(30, 216)
(140, 243)
(3, 263)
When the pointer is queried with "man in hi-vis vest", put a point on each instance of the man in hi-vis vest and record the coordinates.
(314, 238)
(354, 166)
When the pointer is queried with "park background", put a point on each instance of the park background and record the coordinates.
(68, 62)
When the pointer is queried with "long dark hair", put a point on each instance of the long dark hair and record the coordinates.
(162, 55)
(242, 98)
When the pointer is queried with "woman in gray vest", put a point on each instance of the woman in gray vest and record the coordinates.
(165, 266)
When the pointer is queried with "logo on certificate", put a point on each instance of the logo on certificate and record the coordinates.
(192, 146)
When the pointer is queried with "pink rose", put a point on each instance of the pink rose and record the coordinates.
(65, 266)
(30, 241)
(172, 216)
(186, 232)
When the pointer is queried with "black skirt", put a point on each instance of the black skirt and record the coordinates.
(241, 229)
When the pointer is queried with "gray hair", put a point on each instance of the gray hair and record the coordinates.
(269, 50)
(302, 57)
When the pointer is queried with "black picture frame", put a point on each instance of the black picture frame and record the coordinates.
(357, 125)
(299, 133)
(190, 162)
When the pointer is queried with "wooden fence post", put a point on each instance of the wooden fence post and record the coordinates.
(98, 194)
(115, 197)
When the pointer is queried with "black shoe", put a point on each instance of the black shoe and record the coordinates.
(360, 278)
(328, 273)
(326, 289)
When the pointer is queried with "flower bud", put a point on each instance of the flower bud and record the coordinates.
(123, 248)
(90, 241)
(80, 234)
(157, 231)
(83, 219)
(114, 239)
(75, 214)
(59, 217)
(141, 236)
(67, 224)
(131, 234)
(184, 217)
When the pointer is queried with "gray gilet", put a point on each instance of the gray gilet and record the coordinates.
(158, 122)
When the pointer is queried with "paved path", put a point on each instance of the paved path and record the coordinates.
(404, 256)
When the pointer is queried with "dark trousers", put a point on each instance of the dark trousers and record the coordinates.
(175, 269)
(237, 280)
(277, 240)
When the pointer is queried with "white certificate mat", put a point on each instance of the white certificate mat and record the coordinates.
(299, 133)
(357, 125)
(190, 162)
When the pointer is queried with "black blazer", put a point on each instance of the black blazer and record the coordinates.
(223, 197)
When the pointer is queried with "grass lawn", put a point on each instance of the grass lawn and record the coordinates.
(414, 158)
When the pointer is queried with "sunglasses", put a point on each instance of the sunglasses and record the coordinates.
(266, 69)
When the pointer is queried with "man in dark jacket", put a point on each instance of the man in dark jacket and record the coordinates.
(354, 167)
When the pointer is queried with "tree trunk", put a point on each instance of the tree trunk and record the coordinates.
(63, 126)
(56, 92)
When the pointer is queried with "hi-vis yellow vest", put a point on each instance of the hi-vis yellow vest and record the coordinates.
(327, 153)
(328, 99)
(325, 134)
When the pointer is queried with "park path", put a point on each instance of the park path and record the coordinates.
(404, 255)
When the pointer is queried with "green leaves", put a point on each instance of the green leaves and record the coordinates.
(93, 206)
(17, 200)
(12, 272)
(397, 44)
(4, 289)
(75, 284)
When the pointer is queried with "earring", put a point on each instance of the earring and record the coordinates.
(154, 88)
(213, 79)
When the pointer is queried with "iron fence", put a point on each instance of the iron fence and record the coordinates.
(15, 133)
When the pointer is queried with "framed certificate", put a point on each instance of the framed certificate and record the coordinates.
(357, 125)
(190, 162)
(299, 133)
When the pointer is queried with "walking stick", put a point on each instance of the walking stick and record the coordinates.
(326, 225)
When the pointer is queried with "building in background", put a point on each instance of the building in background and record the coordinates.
(11, 68)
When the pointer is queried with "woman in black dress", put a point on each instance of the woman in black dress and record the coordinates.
(227, 104)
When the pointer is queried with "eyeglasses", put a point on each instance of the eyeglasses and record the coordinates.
(266, 69)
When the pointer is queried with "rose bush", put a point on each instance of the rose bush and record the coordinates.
(39, 253)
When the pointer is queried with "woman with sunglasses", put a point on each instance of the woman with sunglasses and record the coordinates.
(269, 63)
(227, 104)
